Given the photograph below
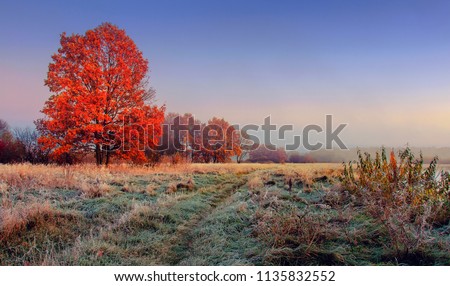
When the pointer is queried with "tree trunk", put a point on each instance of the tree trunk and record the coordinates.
(108, 154)
(98, 154)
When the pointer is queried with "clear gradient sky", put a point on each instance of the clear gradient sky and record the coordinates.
(383, 67)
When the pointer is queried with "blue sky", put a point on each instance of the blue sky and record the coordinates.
(383, 67)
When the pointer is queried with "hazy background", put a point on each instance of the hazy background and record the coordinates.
(383, 67)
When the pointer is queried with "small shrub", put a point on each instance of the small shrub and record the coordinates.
(150, 190)
(400, 193)
(95, 190)
(129, 188)
(187, 186)
(391, 183)
(171, 188)
(255, 183)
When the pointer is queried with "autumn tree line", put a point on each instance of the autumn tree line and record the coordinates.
(102, 108)
(19, 145)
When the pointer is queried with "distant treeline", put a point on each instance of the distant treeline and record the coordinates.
(264, 155)
(22, 145)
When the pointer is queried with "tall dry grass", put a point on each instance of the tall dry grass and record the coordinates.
(408, 198)
(86, 177)
(22, 219)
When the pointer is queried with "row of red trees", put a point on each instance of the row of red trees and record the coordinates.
(22, 145)
(215, 141)
(101, 105)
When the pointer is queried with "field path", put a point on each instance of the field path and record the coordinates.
(180, 242)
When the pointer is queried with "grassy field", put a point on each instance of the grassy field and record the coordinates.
(205, 214)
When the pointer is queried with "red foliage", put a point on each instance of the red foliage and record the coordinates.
(220, 141)
(99, 101)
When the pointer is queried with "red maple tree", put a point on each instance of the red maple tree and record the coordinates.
(100, 101)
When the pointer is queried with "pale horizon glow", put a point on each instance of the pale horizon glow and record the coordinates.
(382, 67)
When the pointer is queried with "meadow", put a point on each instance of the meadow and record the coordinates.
(214, 214)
